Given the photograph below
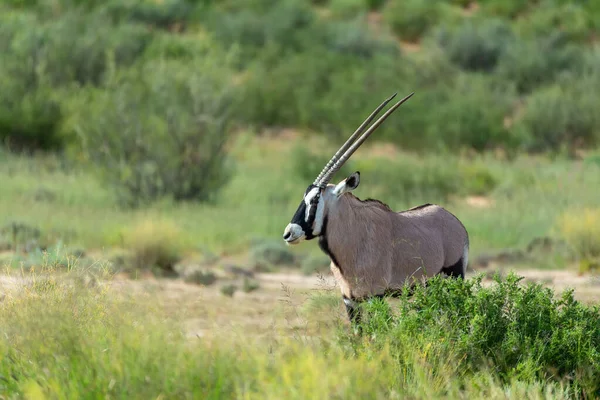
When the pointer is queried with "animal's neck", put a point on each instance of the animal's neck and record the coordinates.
(343, 228)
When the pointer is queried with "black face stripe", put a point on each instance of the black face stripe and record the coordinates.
(300, 215)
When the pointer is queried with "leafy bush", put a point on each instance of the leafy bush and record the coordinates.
(30, 117)
(347, 8)
(476, 44)
(523, 331)
(164, 14)
(229, 290)
(354, 38)
(252, 27)
(159, 131)
(531, 63)
(41, 58)
(570, 19)
(410, 19)
(375, 4)
(268, 254)
(505, 8)
(200, 277)
(562, 116)
(76, 47)
(154, 244)
(250, 285)
(471, 112)
(581, 230)
(325, 91)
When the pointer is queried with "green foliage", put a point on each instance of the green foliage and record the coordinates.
(470, 113)
(476, 44)
(41, 57)
(200, 277)
(347, 8)
(154, 244)
(228, 290)
(282, 24)
(561, 116)
(411, 19)
(571, 19)
(581, 230)
(505, 8)
(250, 285)
(524, 331)
(375, 4)
(267, 254)
(159, 130)
(532, 63)
(165, 14)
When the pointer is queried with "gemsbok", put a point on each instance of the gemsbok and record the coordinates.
(374, 250)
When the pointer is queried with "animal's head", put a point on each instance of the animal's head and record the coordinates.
(320, 196)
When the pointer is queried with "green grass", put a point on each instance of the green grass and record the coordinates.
(62, 339)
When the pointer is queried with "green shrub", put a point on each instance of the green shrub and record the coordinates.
(77, 47)
(30, 117)
(250, 285)
(581, 230)
(355, 38)
(570, 20)
(267, 254)
(561, 117)
(283, 23)
(200, 277)
(163, 14)
(470, 113)
(506, 8)
(524, 331)
(154, 244)
(476, 44)
(410, 19)
(229, 290)
(531, 63)
(159, 131)
(375, 4)
(347, 8)
(325, 91)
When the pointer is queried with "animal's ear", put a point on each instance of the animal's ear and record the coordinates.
(348, 184)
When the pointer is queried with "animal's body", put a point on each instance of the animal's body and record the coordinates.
(388, 248)
(374, 250)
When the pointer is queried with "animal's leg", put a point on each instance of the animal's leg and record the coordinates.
(457, 270)
(353, 310)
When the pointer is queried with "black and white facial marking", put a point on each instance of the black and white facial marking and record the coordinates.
(307, 222)
(308, 219)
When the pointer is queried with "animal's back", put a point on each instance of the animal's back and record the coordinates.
(432, 236)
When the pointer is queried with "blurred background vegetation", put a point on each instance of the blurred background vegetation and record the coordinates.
(214, 116)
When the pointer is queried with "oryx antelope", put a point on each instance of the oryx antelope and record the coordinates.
(373, 249)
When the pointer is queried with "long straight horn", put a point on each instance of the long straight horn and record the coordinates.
(345, 146)
(360, 141)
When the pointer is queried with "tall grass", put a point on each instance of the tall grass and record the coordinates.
(62, 339)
